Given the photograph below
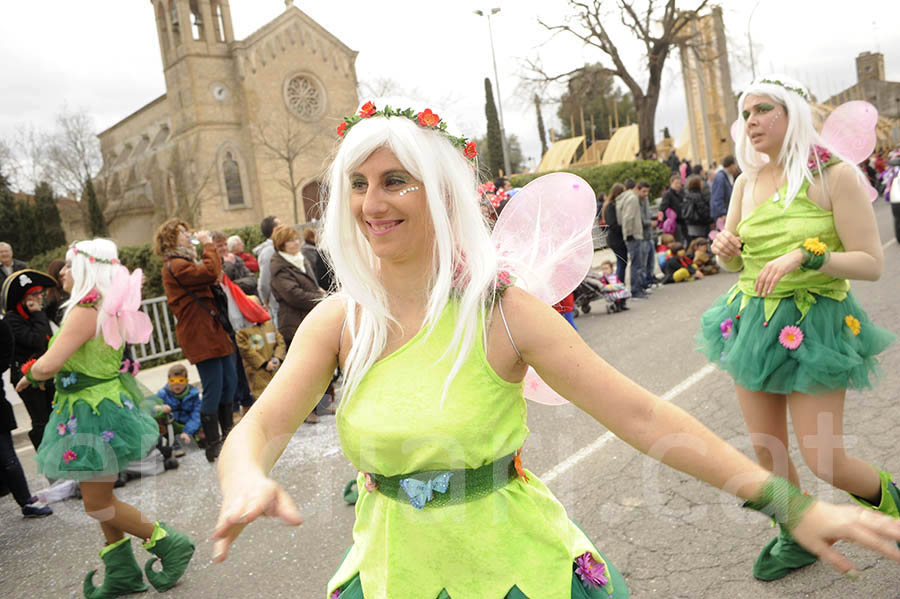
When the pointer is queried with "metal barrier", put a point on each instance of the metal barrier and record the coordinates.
(162, 340)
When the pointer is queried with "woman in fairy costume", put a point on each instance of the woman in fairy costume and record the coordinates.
(97, 427)
(434, 351)
(790, 333)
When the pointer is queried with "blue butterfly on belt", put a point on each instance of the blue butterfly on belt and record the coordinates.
(421, 492)
(68, 380)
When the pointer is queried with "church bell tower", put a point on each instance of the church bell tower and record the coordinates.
(194, 39)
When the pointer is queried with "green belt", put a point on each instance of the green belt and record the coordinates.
(437, 488)
(69, 381)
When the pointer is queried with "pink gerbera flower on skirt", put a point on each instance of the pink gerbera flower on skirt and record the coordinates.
(790, 337)
(590, 571)
(69, 456)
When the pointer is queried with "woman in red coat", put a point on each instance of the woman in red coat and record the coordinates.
(202, 336)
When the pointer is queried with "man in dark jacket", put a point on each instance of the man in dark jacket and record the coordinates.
(722, 185)
(8, 264)
(12, 477)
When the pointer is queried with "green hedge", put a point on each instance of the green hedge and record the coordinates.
(602, 178)
(141, 256)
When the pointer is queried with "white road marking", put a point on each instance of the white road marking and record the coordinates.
(576, 458)
(884, 246)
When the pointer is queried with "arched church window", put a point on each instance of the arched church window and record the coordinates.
(232, 173)
(176, 25)
(196, 21)
(219, 21)
(305, 96)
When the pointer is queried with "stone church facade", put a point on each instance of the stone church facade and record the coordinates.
(245, 128)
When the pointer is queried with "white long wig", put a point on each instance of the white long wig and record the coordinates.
(87, 275)
(799, 138)
(462, 240)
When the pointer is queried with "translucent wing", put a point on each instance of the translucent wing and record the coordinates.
(850, 129)
(543, 237)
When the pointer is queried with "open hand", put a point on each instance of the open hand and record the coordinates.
(825, 524)
(256, 497)
(776, 269)
(726, 245)
(185, 438)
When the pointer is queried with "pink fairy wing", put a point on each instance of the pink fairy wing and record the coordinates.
(850, 129)
(540, 392)
(543, 236)
(736, 130)
(133, 298)
(137, 326)
(110, 329)
(115, 295)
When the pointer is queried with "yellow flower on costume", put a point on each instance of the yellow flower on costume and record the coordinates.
(815, 246)
(853, 323)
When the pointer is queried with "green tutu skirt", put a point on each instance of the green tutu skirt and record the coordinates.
(828, 354)
(88, 444)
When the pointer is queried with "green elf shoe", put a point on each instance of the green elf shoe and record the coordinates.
(123, 574)
(781, 556)
(173, 550)
(890, 497)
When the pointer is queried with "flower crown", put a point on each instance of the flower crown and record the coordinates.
(92, 259)
(796, 90)
(425, 119)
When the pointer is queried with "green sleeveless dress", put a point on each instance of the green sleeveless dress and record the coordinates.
(809, 335)
(97, 427)
(516, 542)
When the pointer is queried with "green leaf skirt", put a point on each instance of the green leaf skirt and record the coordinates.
(831, 351)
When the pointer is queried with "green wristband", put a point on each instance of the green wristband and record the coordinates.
(781, 501)
(813, 261)
(31, 378)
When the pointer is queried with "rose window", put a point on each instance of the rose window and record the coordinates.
(305, 97)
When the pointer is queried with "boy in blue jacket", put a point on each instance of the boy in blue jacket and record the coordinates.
(182, 402)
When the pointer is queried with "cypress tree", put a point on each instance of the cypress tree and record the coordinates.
(52, 234)
(29, 231)
(494, 142)
(540, 124)
(96, 221)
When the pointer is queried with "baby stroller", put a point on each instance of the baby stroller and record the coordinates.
(593, 287)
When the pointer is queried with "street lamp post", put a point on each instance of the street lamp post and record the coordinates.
(497, 85)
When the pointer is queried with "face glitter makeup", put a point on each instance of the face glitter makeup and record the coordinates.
(409, 189)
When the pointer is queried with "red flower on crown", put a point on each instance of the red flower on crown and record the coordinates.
(470, 151)
(428, 118)
(342, 128)
(367, 110)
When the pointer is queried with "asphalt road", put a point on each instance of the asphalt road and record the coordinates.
(669, 535)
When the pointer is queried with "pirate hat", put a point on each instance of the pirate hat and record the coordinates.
(17, 285)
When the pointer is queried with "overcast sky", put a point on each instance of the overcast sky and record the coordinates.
(103, 55)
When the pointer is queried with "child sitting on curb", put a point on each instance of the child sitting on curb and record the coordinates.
(680, 267)
(182, 401)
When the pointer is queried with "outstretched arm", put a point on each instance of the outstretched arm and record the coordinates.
(667, 433)
(256, 443)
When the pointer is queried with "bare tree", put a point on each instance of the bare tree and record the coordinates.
(283, 143)
(72, 152)
(658, 32)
